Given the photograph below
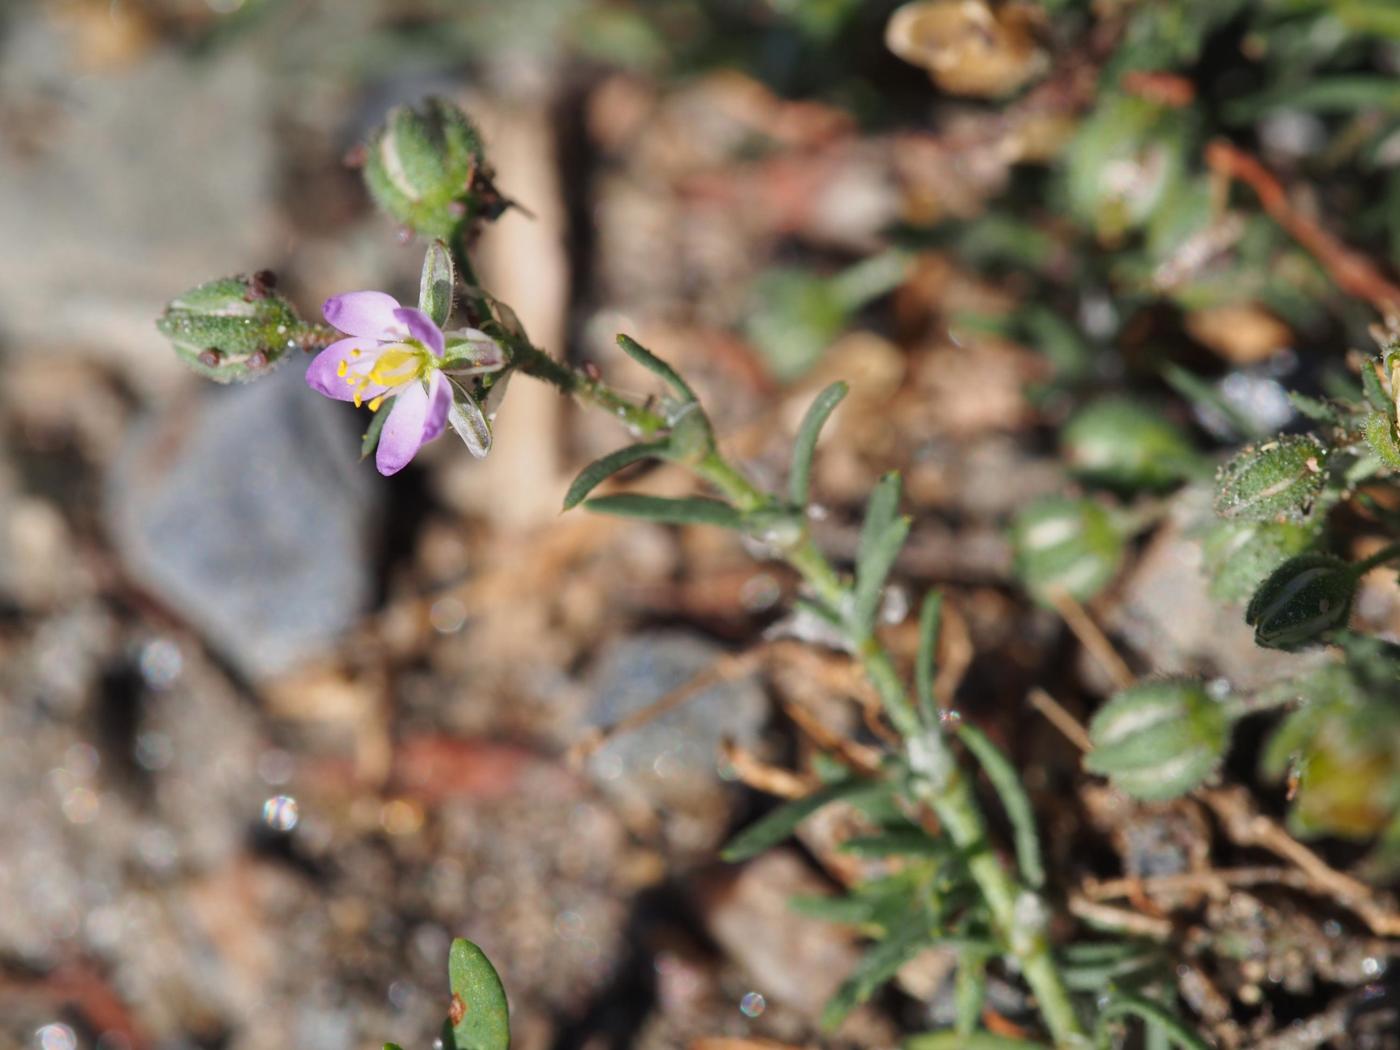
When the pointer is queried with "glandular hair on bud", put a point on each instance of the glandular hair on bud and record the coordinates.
(1301, 601)
(232, 329)
(1278, 480)
(424, 167)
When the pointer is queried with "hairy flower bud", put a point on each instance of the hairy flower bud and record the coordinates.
(1301, 601)
(1124, 444)
(233, 329)
(1158, 740)
(1278, 480)
(425, 168)
(1066, 544)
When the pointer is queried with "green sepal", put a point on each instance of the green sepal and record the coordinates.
(1380, 436)
(376, 424)
(1375, 391)
(799, 481)
(234, 328)
(422, 166)
(591, 476)
(485, 1014)
(644, 357)
(436, 285)
(1301, 601)
(694, 510)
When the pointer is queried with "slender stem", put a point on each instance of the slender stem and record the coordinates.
(1018, 914)
(1385, 554)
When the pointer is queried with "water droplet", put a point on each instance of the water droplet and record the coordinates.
(1371, 966)
(752, 1005)
(280, 812)
(447, 615)
(161, 663)
(949, 718)
(57, 1037)
(894, 606)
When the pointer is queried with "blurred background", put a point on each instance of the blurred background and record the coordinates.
(274, 729)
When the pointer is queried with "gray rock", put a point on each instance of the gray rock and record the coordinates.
(247, 513)
(669, 762)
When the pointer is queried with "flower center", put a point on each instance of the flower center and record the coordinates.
(392, 367)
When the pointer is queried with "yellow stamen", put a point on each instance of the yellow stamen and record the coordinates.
(398, 365)
(374, 405)
(342, 368)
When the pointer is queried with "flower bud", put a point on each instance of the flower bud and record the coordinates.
(1278, 480)
(1239, 555)
(232, 329)
(1381, 436)
(1123, 444)
(1066, 544)
(424, 167)
(1158, 740)
(1303, 599)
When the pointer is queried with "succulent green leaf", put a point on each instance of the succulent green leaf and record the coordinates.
(693, 510)
(601, 469)
(1014, 800)
(781, 823)
(799, 482)
(480, 1014)
(644, 357)
(437, 284)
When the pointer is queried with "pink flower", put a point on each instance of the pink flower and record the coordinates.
(397, 352)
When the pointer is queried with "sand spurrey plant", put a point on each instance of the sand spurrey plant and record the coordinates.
(955, 886)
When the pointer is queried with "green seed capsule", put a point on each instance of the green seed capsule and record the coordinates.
(1303, 599)
(1278, 480)
(1066, 544)
(232, 329)
(1158, 740)
(1127, 445)
(423, 168)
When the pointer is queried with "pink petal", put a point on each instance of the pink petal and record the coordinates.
(421, 327)
(367, 314)
(402, 435)
(323, 374)
(439, 402)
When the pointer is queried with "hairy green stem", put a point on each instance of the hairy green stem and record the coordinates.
(1018, 914)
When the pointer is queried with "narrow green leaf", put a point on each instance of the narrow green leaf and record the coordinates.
(901, 842)
(879, 964)
(854, 910)
(480, 1015)
(436, 285)
(955, 1040)
(1013, 799)
(1316, 408)
(376, 423)
(1375, 391)
(969, 991)
(781, 823)
(600, 469)
(881, 538)
(926, 663)
(1153, 1014)
(691, 511)
(799, 483)
(644, 357)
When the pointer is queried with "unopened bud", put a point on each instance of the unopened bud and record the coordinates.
(1303, 599)
(1278, 480)
(423, 167)
(233, 329)
(1158, 740)
(1124, 444)
(1070, 545)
